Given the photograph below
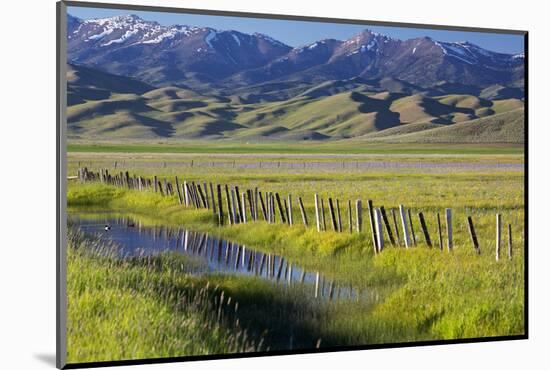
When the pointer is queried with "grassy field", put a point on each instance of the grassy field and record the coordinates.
(333, 147)
(418, 294)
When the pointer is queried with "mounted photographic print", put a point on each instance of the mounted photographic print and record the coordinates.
(237, 184)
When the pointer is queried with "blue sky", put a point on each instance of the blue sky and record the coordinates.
(296, 33)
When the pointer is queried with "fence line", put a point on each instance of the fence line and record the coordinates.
(246, 206)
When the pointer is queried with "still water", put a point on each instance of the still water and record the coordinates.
(216, 255)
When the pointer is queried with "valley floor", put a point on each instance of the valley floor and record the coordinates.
(418, 294)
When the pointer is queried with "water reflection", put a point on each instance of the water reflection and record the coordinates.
(218, 255)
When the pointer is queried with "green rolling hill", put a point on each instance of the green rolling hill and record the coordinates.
(106, 106)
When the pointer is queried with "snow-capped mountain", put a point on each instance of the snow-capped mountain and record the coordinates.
(168, 55)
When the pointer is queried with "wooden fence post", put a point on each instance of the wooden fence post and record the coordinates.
(185, 193)
(395, 226)
(280, 206)
(425, 229)
(243, 201)
(220, 204)
(256, 204)
(339, 217)
(372, 226)
(406, 237)
(234, 207)
(413, 236)
(268, 200)
(473, 235)
(439, 231)
(318, 221)
(387, 224)
(323, 220)
(379, 230)
(156, 185)
(202, 197)
(350, 221)
(264, 212)
(206, 195)
(449, 223)
(251, 204)
(228, 201)
(332, 215)
(213, 198)
(239, 209)
(177, 190)
(358, 215)
(290, 218)
(498, 236)
(303, 211)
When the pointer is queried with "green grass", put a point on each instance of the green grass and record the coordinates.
(333, 147)
(423, 293)
(141, 308)
(416, 294)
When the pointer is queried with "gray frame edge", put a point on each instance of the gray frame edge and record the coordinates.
(61, 186)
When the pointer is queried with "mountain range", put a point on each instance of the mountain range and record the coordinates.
(131, 78)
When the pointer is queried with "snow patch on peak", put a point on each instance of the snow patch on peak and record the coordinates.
(101, 35)
(519, 56)
(211, 37)
(123, 38)
(236, 38)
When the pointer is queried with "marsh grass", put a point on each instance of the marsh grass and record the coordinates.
(144, 307)
(416, 294)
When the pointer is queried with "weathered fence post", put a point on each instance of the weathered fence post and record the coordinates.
(449, 224)
(358, 215)
(323, 220)
(413, 236)
(387, 224)
(220, 204)
(339, 217)
(406, 237)
(332, 215)
(509, 241)
(439, 231)
(185, 193)
(234, 207)
(498, 236)
(264, 212)
(239, 209)
(303, 211)
(228, 201)
(256, 204)
(201, 194)
(317, 219)
(206, 195)
(251, 204)
(156, 185)
(280, 206)
(243, 201)
(290, 218)
(177, 190)
(213, 198)
(350, 221)
(379, 230)
(372, 226)
(473, 235)
(425, 229)
(395, 226)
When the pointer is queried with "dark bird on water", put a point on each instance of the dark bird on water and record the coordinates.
(107, 227)
(131, 224)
